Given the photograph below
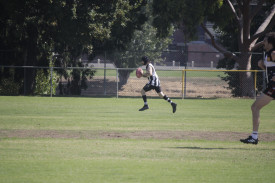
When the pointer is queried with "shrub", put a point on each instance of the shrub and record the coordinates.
(43, 82)
(9, 87)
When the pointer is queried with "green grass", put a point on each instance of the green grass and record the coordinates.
(109, 72)
(117, 160)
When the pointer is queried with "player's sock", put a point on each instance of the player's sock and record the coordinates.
(254, 135)
(167, 99)
(144, 99)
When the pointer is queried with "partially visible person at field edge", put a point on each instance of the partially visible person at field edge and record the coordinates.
(153, 84)
(269, 93)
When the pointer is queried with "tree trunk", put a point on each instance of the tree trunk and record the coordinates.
(31, 59)
(246, 79)
(123, 76)
(29, 73)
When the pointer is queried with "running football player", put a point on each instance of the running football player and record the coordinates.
(153, 84)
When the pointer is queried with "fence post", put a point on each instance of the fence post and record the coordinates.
(117, 83)
(183, 83)
(51, 68)
(255, 84)
(25, 81)
(265, 77)
(105, 73)
(98, 62)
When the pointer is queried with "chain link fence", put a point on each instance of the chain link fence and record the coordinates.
(176, 82)
(191, 74)
(222, 83)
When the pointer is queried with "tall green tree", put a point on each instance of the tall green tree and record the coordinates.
(144, 41)
(240, 14)
(33, 30)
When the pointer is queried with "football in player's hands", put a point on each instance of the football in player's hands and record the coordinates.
(139, 72)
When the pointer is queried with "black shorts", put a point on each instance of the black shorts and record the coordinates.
(149, 87)
(270, 90)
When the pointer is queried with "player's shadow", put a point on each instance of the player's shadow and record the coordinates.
(219, 148)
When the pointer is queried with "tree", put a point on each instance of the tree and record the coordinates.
(227, 36)
(133, 15)
(128, 42)
(144, 42)
(239, 13)
(33, 30)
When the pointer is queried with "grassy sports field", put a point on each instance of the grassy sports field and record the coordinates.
(108, 140)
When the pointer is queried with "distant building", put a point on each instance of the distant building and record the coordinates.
(199, 53)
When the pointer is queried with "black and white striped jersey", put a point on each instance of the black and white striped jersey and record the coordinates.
(154, 79)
